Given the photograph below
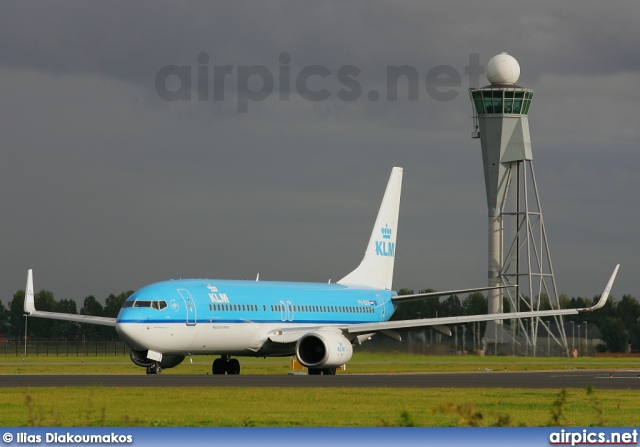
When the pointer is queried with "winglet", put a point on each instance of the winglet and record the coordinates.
(603, 298)
(29, 304)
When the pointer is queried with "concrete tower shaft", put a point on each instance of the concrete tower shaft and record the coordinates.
(502, 125)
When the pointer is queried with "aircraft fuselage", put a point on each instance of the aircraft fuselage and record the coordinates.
(202, 316)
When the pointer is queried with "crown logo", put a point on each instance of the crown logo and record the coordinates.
(386, 232)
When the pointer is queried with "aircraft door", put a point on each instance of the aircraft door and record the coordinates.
(286, 311)
(290, 314)
(191, 316)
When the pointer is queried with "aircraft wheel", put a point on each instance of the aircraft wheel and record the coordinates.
(315, 371)
(154, 369)
(233, 366)
(329, 372)
(219, 366)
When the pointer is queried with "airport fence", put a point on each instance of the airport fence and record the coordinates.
(64, 348)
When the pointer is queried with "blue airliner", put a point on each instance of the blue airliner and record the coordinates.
(317, 322)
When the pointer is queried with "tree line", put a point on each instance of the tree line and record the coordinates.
(618, 320)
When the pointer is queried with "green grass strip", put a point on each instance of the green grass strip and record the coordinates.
(314, 407)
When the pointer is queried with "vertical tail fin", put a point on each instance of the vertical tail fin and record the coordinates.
(29, 305)
(376, 268)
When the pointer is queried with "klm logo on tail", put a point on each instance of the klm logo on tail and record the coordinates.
(385, 248)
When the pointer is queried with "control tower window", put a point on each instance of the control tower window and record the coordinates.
(497, 102)
(508, 102)
(501, 101)
(517, 102)
(527, 102)
(477, 101)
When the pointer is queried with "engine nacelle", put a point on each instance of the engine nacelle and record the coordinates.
(168, 361)
(323, 349)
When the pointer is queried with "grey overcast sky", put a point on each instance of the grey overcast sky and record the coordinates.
(106, 186)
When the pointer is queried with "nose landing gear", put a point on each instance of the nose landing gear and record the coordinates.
(225, 365)
(154, 369)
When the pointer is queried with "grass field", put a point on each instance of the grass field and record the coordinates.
(185, 407)
(361, 363)
(334, 407)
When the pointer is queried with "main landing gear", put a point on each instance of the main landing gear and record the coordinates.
(323, 371)
(154, 369)
(225, 365)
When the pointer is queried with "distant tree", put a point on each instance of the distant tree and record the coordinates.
(65, 330)
(614, 335)
(5, 325)
(91, 306)
(451, 307)
(565, 302)
(16, 311)
(476, 304)
(423, 308)
(41, 328)
(628, 310)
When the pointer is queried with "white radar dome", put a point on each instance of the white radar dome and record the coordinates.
(503, 69)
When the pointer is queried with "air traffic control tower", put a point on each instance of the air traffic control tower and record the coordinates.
(518, 250)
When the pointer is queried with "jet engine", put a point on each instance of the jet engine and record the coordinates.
(168, 361)
(323, 349)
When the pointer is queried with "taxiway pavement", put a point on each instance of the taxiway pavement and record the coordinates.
(487, 379)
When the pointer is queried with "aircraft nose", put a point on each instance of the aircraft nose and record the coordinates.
(129, 333)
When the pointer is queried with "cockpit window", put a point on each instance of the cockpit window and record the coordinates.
(141, 303)
(158, 305)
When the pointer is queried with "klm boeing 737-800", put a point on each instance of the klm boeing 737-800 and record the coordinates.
(317, 322)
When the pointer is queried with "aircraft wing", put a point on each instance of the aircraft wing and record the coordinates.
(367, 328)
(30, 309)
(104, 321)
